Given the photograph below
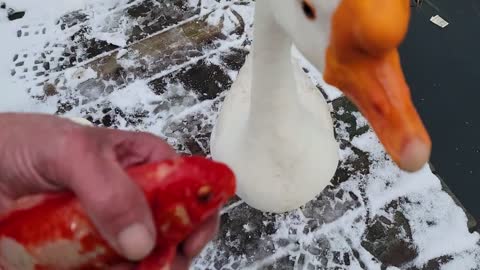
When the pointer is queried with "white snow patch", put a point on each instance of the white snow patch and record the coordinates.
(46, 10)
(13, 95)
(438, 220)
(135, 93)
(361, 121)
(76, 76)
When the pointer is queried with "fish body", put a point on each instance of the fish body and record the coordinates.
(52, 231)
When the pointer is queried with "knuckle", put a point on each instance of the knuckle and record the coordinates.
(76, 139)
(108, 205)
(116, 205)
(71, 144)
(142, 135)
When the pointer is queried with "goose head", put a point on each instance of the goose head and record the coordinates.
(355, 46)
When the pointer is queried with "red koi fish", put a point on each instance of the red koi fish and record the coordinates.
(52, 231)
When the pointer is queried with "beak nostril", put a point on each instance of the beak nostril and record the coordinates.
(378, 109)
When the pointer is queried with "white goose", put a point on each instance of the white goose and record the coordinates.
(274, 128)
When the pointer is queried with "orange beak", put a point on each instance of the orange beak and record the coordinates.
(363, 62)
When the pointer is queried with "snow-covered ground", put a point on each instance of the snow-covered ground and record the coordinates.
(373, 217)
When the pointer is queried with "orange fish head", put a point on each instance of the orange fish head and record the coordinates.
(192, 190)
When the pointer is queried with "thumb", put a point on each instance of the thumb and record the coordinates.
(116, 205)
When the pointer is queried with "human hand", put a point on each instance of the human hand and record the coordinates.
(42, 153)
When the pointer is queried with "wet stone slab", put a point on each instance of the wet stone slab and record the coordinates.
(188, 63)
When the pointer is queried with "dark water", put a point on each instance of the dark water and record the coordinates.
(442, 67)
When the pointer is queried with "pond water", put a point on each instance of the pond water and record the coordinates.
(442, 68)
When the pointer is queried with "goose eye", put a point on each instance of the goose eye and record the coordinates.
(309, 9)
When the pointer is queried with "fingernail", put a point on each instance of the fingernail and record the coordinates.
(136, 242)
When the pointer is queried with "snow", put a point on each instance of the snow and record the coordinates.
(47, 9)
(343, 219)
(38, 14)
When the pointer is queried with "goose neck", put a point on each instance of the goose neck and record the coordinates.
(273, 83)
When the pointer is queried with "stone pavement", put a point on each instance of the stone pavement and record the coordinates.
(189, 63)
